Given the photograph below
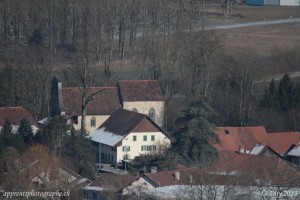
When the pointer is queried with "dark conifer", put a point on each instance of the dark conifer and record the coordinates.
(25, 131)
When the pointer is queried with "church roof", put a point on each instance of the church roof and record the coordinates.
(105, 102)
(140, 90)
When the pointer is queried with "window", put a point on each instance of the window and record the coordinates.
(145, 138)
(134, 138)
(74, 119)
(152, 137)
(135, 110)
(152, 114)
(94, 195)
(148, 148)
(126, 148)
(143, 148)
(93, 121)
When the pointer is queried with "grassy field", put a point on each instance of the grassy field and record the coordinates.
(262, 39)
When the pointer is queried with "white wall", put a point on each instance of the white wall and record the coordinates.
(135, 146)
(99, 120)
(144, 107)
(290, 2)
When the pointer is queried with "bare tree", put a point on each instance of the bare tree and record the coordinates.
(85, 73)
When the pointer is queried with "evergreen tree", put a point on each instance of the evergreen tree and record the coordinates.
(25, 131)
(194, 143)
(79, 149)
(286, 93)
(270, 98)
(7, 128)
(144, 162)
(54, 133)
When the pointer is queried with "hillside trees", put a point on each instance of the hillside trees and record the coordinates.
(282, 102)
(269, 100)
(199, 55)
(233, 96)
(283, 98)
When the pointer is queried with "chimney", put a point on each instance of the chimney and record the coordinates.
(242, 149)
(153, 169)
(177, 175)
(190, 179)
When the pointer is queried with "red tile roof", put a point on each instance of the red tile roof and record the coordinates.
(232, 137)
(282, 141)
(140, 90)
(104, 103)
(15, 115)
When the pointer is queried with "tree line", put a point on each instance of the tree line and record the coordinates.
(164, 40)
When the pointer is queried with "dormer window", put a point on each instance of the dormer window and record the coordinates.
(152, 114)
(93, 121)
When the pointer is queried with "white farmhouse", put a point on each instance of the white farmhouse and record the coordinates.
(127, 134)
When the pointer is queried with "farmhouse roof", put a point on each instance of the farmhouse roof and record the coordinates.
(259, 166)
(140, 90)
(105, 101)
(14, 115)
(112, 182)
(281, 141)
(232, 137)
(121, 123)
(167, 178)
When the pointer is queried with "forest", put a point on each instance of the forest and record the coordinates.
(162, 40)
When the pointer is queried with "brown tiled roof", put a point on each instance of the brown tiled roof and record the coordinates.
(140, 90)
(122, 122)
(14, 115)
(255, 166)
(104, 103)
(112, 182)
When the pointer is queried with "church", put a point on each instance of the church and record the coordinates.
(141, 96)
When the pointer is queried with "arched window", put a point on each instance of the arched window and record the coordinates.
(152, 114)
(135, 110)
(93, 121)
